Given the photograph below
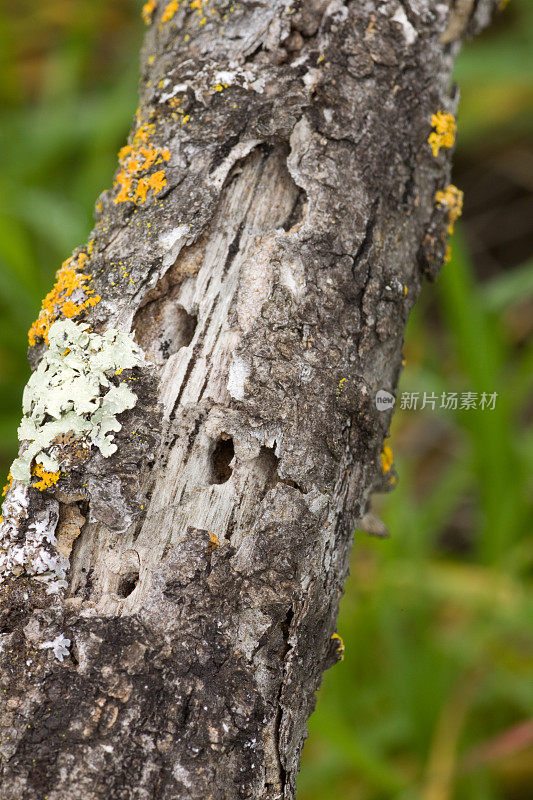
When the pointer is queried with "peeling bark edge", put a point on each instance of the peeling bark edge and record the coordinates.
(270, 224)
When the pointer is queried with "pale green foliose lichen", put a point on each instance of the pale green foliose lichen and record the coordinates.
(70, 392)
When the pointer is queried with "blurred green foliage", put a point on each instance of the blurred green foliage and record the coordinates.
(434, 699)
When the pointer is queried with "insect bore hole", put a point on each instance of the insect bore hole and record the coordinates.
(221, 458)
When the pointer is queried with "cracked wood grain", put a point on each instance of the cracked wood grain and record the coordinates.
(265, 239)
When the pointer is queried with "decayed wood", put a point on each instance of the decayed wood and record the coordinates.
(264, 250)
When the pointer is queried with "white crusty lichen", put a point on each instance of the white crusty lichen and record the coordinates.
(59, 646)
(31, 549)
(70, 392)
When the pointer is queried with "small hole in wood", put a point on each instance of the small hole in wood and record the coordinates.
(162, 327)
(221, 458)
(127, 585)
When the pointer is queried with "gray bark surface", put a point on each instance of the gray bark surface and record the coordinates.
(268, 282)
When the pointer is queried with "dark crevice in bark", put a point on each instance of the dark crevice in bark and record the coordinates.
(197, 348)
(84, 590)
(204, 387)
(366, 243)
(269, 463)
(297, 212)
(233, 249)
(193, 433)
(231, 525)
(74, 654)
(222, 152)
(285, 628)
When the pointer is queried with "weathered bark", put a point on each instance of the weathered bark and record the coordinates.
(268, 283)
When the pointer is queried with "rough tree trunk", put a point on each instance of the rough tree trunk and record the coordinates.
(266, 236)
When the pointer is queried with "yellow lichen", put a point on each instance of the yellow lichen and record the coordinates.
(199, 7)
(169, 11)
(444, 131)
(213, 539)
(135, 160)
(340, 645)
(141, 190)
(452, 198)
(157, 181)
(8, 485)
(387, 459)
(70, 278)
(176, 104)
(148, 11)
(47, 479)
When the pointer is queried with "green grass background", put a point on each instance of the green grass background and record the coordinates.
(434, 699)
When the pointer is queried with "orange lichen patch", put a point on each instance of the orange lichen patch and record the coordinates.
(340, 645)
(69, 279)
(452, 198)
(387, 459)
(213, 540)
(169, 11)
(157, 181)
(69, 309)
(444, 131)
(141, 190)
(8, 485)
(47, 479)
(135, 161)
(143, 133)
(148, 11)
